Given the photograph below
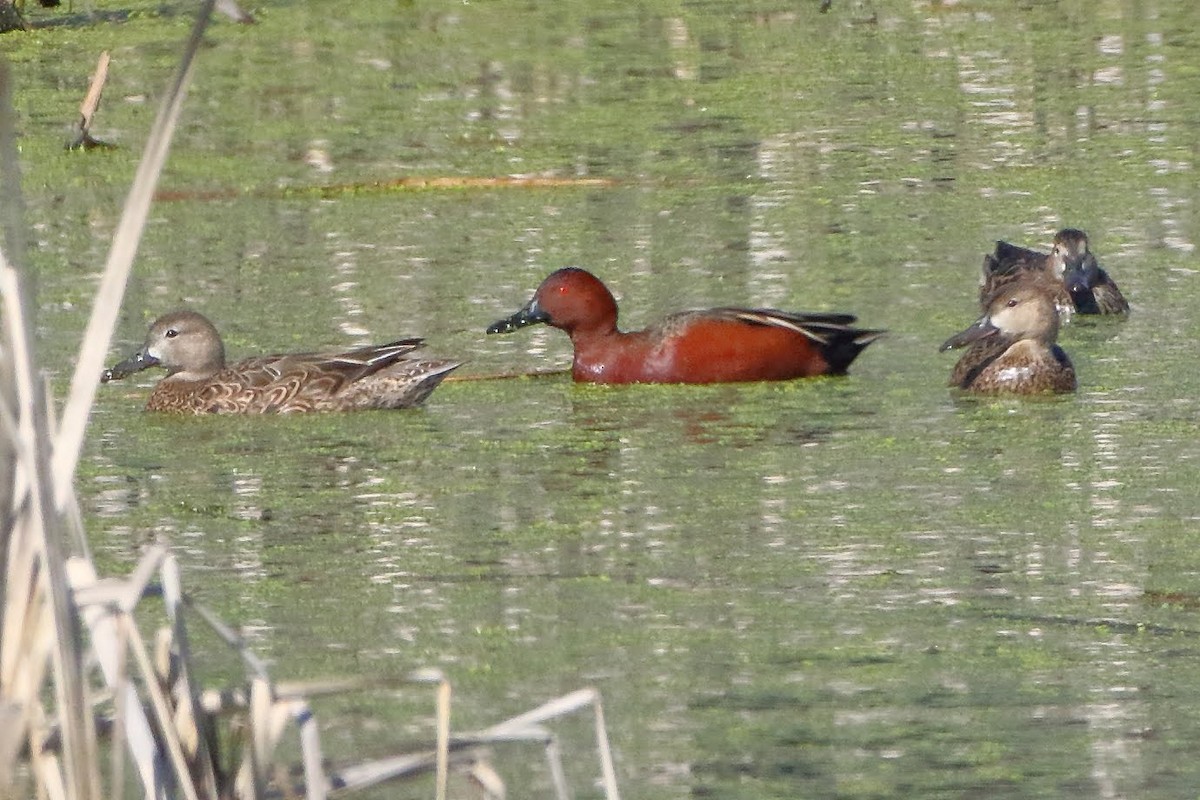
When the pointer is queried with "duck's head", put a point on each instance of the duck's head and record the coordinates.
(1025, 310)
(571, 299)
(1070, 252)
(183, 343)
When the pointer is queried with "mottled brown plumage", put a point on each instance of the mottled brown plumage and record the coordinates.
(1012, 348)
(198, 381)
(1010, 263)
(1071, 272)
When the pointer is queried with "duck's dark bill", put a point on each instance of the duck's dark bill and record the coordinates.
(979, 330)
(135, 363)
(529, 315)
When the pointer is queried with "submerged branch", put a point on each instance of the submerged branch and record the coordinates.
(417, 183)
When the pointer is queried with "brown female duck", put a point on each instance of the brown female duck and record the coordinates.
(1081, 284)
(198, 380)
(1012, 347)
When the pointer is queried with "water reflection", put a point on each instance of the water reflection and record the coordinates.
(861, 587)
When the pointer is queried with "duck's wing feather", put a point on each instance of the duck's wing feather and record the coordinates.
(1011, 256)
(1094, 292)
(824, 328)
(277, 382)
(1008, 263)
(976, 359)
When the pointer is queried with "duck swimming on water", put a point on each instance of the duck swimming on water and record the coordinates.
(1012, 348)
(199, 381)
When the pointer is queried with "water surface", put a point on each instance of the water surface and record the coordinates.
(862, 587)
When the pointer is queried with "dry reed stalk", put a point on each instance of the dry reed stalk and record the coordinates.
(32, 503)
(10, 746)
(110, 633)
(40, 507)
(190, 720)
(103, 321)
(529, 724)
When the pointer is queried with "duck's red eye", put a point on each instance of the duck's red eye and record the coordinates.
(562, 290)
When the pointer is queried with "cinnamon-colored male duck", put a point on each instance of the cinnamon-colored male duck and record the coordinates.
(1082, 285)
(717, 345)
(198, 381)
(1012, 347)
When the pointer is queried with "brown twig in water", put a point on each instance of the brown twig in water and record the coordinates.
(415, 183)
(87, 109)
(463, 182)
(505, 376)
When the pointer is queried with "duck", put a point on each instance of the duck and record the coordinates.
(716, 345)
(1013, 348)
(1079, 284)
(1092, 289)
(198, 380)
